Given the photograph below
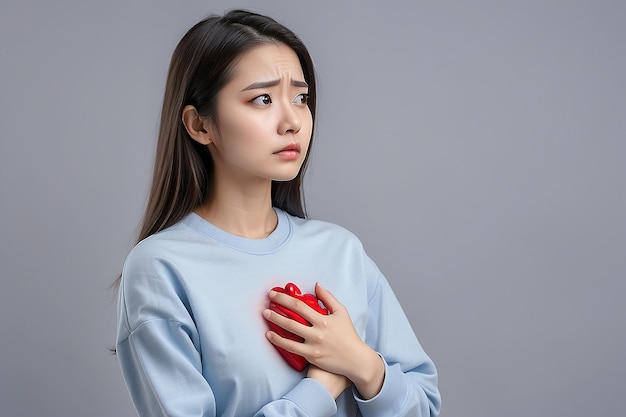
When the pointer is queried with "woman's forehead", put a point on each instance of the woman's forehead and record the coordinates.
(267, 63)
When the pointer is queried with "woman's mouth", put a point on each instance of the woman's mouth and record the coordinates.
(289, 152)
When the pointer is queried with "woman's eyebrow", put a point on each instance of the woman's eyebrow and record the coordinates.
(272, 83)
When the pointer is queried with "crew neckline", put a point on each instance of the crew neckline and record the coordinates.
(269, 244)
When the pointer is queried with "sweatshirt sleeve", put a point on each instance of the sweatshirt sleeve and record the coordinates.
(163, 374)
(158, 348)
(157, 341)
(410, 385)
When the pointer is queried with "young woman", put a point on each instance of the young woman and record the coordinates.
(225, 223)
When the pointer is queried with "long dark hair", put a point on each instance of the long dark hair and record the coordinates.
(201, 65)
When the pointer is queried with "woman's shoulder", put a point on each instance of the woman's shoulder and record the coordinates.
(172, 239)
(324, 229)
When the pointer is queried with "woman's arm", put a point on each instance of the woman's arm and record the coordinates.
(162, 369)
(334, 383)
(159, 350)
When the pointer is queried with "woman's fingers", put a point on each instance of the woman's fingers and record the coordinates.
(289, 345)
(327, 297)
(286, 323)
(295, 305)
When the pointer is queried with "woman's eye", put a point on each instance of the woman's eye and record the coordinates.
(262, 100)
(301, 99)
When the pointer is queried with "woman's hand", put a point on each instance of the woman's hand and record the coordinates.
(335, 384)
(331, 342)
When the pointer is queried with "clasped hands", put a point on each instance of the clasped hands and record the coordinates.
(336, 353)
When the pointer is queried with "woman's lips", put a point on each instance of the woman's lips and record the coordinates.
(289, 152)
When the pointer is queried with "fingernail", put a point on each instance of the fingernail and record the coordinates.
(272, 293)
(266, 313)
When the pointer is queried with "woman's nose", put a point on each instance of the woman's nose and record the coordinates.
(290, 120)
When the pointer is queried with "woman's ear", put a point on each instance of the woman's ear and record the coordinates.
(198, 128)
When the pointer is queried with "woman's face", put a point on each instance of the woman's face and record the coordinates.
(263, 121)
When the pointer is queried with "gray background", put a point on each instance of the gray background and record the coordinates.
(475, 147)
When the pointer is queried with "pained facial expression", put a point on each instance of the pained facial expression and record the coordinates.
(263, 122)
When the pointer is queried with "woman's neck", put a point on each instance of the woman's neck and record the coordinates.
(244, 211)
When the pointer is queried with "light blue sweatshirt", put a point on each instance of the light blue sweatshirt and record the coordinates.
(191, 336)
